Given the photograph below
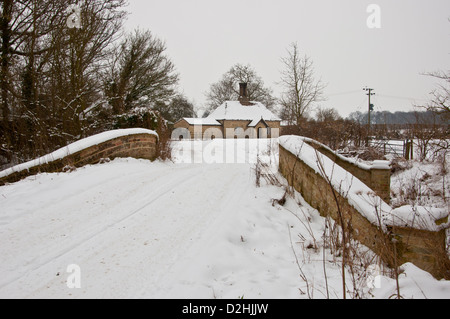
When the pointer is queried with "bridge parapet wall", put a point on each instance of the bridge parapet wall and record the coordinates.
(137, 143)
(396, 235)
(376, 176)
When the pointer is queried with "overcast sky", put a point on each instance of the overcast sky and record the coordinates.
(205, 38)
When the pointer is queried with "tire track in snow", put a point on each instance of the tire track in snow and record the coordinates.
(76, 193)
(152, 264)
(135, 266)
(94, 232)
(205, 228)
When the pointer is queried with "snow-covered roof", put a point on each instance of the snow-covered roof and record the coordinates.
(234, 110)
(201, 121)
(256, 121)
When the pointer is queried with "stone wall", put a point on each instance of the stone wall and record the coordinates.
(378, 178)
(135, 145)
(395, 245)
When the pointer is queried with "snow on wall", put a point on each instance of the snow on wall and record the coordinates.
(378, 164)
(375, 174)
(361, 196)
(76, 147)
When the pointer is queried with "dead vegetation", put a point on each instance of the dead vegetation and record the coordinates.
(359, 264)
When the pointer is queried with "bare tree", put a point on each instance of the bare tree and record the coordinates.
(440, 100)
(179, 107)
(327, 115)
(78, 59)
(435, 138)
(50, 70)
(302, 90)
(227, 88)
(140, 73)
(25, 27)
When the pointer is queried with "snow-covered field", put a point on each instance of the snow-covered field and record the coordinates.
(198, 227)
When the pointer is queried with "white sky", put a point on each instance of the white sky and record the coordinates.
(205, 38)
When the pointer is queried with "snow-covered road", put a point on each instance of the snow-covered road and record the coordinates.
(133, 227)
(139, 229)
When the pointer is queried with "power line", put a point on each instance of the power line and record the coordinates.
(344, 93)
(381, 95)
(400, 97)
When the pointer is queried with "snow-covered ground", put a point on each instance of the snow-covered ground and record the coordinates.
(422, 183)
(198, 227)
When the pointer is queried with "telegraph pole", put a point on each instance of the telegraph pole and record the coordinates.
(369, 93)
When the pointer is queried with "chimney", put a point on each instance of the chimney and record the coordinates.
(243, 98)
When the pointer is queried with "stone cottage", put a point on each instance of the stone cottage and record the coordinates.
(232, 119)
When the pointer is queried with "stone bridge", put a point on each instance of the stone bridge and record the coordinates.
(400, 235)
(137, 143)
